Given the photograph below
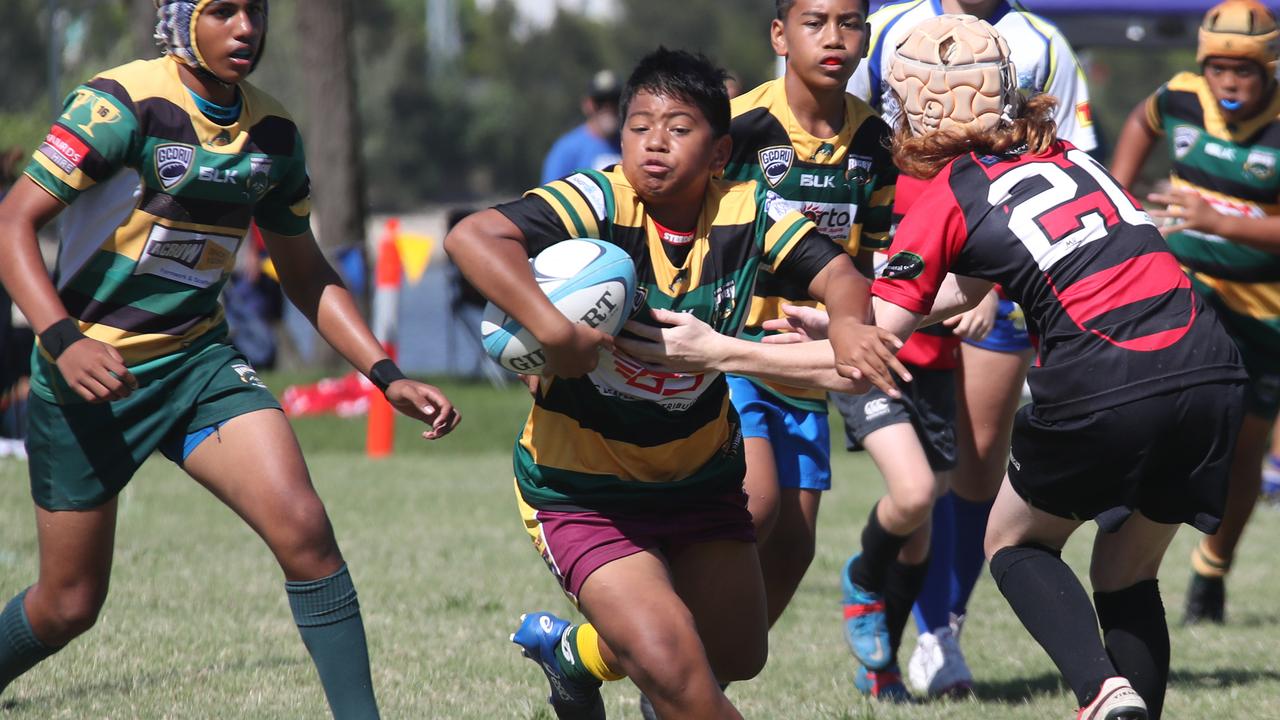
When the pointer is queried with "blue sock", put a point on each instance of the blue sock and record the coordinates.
(934, 601)
(970, 529)
(328, 617)
(20, 649)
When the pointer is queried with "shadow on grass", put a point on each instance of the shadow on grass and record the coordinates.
(128, 684)
(1016, 691)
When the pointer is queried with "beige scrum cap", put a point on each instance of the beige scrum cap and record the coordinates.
(953, 72)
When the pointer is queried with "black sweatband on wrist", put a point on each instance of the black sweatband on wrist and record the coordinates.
(385, 372)
(59, 336)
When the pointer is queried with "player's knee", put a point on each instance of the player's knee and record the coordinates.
(67, 612)
(303, 537)
(915, 503)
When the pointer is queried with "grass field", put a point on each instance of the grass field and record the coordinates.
(197, 625)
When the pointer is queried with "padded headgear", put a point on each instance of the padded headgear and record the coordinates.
(1243, 29)
(953, 72)
(176, 32)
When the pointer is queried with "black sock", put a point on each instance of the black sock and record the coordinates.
(1054, 607)
(879, 548)
(1137, 638)
(902, 586)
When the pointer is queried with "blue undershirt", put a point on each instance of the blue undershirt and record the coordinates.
(221, 114)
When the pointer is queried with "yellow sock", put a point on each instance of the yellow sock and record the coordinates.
(1205, 563)
(587, 641)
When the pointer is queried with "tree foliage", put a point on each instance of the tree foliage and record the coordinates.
(476, 127)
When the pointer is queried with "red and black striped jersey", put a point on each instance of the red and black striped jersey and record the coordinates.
(1116, 317)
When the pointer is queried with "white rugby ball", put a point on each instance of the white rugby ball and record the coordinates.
(590, 281)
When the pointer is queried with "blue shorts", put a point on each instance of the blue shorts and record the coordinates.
(801, 439)
(1009, 335)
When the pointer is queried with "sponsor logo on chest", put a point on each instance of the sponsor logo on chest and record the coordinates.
(817, 181)
(834, 220)
(191, 258)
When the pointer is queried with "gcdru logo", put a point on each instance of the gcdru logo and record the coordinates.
(775, 163)
(1184, 138)
(173, 162)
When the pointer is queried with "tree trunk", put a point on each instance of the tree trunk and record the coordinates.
(327, 62)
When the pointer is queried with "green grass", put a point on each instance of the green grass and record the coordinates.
(197, 625)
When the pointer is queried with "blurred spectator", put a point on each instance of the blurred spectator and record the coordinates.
(593, 145)
(16, 341)
(254, 302)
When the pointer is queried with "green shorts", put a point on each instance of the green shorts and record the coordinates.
(82, 455)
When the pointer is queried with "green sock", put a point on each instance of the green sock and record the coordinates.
(570, 663)
(20, 649)
(328, 617)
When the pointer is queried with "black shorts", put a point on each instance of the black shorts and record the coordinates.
(928, 402)
(1167, 456)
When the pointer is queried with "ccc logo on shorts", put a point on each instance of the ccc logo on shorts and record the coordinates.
(875, 408)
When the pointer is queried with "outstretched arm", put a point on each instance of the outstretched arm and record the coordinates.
(689, 345)
(315, 289)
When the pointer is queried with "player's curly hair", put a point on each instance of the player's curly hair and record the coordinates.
(691, 77)
(924, 156)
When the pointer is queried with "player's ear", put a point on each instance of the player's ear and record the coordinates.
(720, 152)
(777, 38)
(866, 41)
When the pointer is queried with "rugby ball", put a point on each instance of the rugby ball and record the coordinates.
(590, 281)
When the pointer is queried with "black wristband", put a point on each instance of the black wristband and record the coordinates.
(385, 372)
(59, 336)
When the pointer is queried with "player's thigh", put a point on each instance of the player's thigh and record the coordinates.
(1251, 444)
(633, 604)
(1014, 521)
(1129, 555)
(989, 389)
(761, 484)
(253, 464)
(722, 586)
(903, 464)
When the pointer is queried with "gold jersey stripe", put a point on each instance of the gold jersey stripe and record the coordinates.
(558, 441)
(1256, 300)
(137, 348)
(77, 180)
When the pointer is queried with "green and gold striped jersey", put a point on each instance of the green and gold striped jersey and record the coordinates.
(844, 184)
(160, 197)
(626, 434)
(1234, 167)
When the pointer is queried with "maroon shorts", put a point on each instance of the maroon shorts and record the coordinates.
(576, 543)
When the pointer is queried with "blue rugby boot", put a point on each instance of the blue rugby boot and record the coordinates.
(864, 623)
(884, 685)
(538, 636)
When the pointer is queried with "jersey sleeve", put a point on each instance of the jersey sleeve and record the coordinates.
(871, 168)
(925, 247)
(87, 144)
(780, 231)
(579, 206)
(809, 256)
(286, 208)
(1154, 110)
(1066, 82)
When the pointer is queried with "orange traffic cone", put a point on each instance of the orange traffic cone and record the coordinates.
(380, 430)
